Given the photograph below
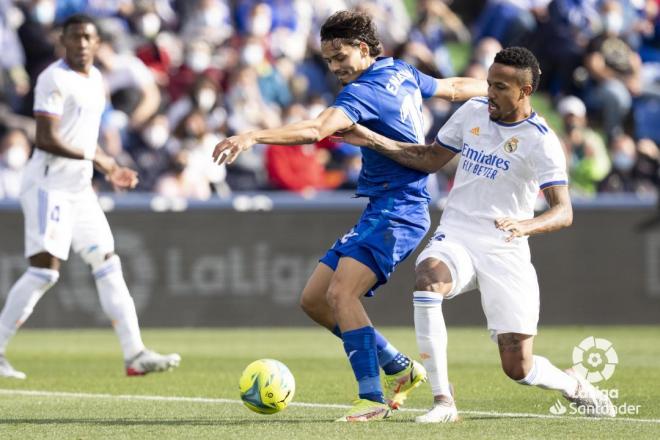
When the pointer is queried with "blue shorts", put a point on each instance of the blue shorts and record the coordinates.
(389, 229)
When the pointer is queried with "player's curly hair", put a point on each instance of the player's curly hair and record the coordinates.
(79, 19)
(521, 58)
(352, 27)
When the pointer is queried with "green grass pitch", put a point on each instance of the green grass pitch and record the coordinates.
(76, 388)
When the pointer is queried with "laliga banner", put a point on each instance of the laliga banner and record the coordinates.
(219, 267)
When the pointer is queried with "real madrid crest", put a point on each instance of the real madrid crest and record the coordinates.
(511, 145)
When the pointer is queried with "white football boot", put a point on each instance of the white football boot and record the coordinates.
(596, 403)
(6, 370)
(148, 361)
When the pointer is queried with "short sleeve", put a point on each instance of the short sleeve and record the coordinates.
(48, 97)
(549, 162)
(427, 84)
(356, 102)
(450, 135)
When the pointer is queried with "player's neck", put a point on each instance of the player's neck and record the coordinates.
(83, 70)
(520, 114)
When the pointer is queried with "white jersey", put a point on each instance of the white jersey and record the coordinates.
(502, 166)
(78, 101)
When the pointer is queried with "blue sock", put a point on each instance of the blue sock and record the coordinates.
(390, 359)
(360, 345)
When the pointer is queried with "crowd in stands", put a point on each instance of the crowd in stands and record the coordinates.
(183, 74)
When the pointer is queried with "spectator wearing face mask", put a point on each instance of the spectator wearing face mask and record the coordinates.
(205, 97)
(630, 171)
(14, 153)
(147, 149)
(588, 161)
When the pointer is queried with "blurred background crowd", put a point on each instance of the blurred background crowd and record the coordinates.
(183, 74)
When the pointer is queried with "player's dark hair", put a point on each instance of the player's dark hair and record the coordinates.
(523, 59)
(79, 19)
(352, 27)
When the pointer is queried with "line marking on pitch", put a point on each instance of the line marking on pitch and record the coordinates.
(37, 393)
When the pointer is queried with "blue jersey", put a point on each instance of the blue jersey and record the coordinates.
(387, 98)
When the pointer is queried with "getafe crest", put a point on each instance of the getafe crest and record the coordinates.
(511, 145)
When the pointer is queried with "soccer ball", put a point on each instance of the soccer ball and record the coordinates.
(266, 386)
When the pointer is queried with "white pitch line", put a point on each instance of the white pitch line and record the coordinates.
(36, 393)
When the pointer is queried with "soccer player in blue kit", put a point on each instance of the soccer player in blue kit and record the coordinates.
(384, 95)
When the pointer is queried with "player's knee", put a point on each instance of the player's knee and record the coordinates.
(307, 303)
(95, 257)
(428, 279)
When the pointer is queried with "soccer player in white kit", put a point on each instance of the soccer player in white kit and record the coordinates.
(507, 153)
(60, 207)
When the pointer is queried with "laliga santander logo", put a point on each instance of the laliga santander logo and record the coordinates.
(595, 359)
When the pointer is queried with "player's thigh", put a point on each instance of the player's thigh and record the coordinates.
(445, 266)
(314, 294)
(91, 229)
(509, 291)
(48, 218)
(352, 279)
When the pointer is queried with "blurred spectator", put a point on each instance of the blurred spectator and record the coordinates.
(147, 150)
(614, 70)
(509, 21)
(437, 24)
(296, 167)
(482, 58)
(182, 182)
(206, 97)
(209, 20)
(588, 161)
(14, 153)
(632, 170)
(131, 84)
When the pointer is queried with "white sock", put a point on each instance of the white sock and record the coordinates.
(23, 296)
(432, 339)
(118, 305)
(545, 375)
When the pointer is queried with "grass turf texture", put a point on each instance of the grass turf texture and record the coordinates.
(88, 362)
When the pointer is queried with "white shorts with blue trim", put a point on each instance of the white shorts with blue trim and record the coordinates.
(55, 220)
(503, 273)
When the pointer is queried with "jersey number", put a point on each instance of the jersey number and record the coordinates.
(411, 109)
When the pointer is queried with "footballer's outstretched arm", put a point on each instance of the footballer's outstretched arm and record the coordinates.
(425, 158)
(460, 89)
(329, 121)
(558, 216)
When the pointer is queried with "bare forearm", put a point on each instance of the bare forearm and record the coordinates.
(54, 146)
(300, 133)
(425, 158)
(104, 163)
(461, 89)
(557, 217)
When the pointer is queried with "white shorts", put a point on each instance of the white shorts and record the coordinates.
(503, 272)
(55, 220)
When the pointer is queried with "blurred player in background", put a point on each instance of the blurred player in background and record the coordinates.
(60, 207)
(507, 154)
(386, 95)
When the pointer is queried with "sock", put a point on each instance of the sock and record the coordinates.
(432, 339)
(360, 344)
(118, 305)
(23, 296)
(545, 375)
(390, 359)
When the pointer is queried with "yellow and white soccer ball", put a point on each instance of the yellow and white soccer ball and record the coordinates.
(267, 386)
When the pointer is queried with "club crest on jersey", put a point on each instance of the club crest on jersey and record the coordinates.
(511, 145)
(475, 131)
